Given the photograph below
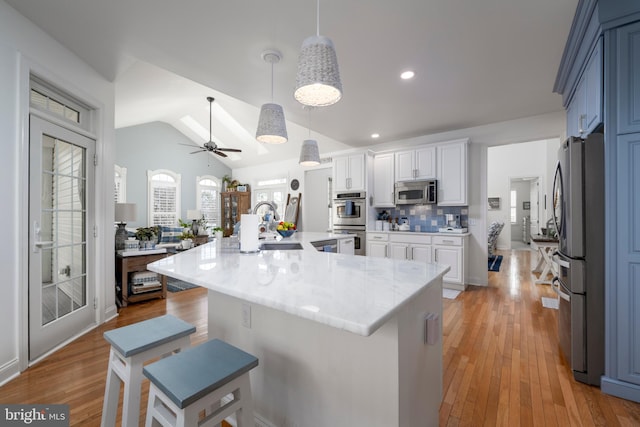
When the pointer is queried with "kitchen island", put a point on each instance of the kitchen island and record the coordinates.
(342, 339)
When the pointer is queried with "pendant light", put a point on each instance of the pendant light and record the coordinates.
(318, 79)
(272, 128)
(309, 153)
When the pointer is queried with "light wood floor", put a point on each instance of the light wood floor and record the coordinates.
(501, 360)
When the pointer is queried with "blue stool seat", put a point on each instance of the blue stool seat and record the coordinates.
(185, 382)
(131, 347)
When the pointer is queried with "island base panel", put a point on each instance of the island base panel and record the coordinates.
(311, 374)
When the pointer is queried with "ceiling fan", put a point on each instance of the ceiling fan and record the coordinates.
(212, 146)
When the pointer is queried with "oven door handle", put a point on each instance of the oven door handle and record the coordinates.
(555, 286)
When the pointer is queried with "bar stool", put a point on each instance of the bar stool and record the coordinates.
(131, 347)
(195, 381)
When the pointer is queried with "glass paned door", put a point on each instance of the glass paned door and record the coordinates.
(60, 213)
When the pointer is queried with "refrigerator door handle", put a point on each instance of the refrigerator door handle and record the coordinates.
(555, 286)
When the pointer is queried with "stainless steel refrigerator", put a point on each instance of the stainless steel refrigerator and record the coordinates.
(578, 202)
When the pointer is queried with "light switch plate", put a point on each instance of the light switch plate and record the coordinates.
(246, 315)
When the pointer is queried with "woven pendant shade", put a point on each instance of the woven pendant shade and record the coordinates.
(318, 79)
(309, 153)
(271, 125)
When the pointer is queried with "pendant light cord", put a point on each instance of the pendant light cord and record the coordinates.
(210, 139)
(271, 81)
(318, 18)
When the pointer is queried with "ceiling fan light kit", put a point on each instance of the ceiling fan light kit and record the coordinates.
(309, 153)
(272, 128)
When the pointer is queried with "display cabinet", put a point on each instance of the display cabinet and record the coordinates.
(234, 204)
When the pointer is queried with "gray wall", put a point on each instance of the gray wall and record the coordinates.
(156, 145)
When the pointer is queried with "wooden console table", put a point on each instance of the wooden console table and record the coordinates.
(132, 262)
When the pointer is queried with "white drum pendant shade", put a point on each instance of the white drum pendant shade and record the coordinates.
(318, 79)
(271, 125)
(309, 153)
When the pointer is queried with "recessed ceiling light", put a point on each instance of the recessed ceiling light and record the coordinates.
(375, 135)
(406, 75)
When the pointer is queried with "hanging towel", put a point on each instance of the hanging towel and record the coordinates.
(348, 208)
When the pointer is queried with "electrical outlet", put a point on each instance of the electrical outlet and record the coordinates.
(464, 211)
(246, 315)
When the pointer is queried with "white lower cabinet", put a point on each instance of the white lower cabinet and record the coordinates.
(377, 244)
(347, 246)
(450, 250)
(415, 247)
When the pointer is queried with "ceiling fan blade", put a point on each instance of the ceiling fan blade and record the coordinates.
(199, 151)
(219, 153)
(187, 145)
(235, 150)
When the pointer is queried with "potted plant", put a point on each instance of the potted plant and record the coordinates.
(217, 232)
(148, 236)
(226, 180)
(187, 238)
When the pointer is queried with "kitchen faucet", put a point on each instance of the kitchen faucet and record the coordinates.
(273, 207)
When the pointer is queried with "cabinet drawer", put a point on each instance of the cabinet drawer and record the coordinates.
(447, 240)
(410, 238)
(378, 237)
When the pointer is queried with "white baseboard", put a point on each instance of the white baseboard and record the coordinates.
(9, 371)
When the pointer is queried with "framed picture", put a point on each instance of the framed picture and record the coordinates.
(526, 206)
(494, 203)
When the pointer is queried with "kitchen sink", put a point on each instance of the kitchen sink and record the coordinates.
(280, 246)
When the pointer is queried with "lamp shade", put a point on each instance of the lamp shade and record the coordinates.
(194, 214)
(271, 125)
(125, 212)
(309, 153)
(318, 79)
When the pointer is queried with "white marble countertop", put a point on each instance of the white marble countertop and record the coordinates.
(350, 292)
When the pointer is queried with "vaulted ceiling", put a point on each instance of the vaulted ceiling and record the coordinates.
(476, 62)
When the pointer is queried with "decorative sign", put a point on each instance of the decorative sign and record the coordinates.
(494, 203)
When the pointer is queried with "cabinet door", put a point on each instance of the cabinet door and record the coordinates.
(346, 246)
(425, 163)
(573, 127)
(451, 256)
(356, 173)
(405, 165)
(452, 174)
(383, 181)
(421, 253)
(377, 249)
(340, 173)
(593, 90)
(628, 89)
(399, 250)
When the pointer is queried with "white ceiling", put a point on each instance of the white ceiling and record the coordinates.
(476, 62)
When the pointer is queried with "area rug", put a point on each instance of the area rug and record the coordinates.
(550, 302)
(175, 285)
(494, 262)
(450, 293)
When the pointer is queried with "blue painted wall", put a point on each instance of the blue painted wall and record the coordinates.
(156, 145)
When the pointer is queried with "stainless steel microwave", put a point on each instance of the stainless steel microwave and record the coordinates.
(416, 192)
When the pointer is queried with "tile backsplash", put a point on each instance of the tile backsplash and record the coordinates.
(425, 218)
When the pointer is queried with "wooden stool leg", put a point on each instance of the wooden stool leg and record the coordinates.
(111, 395)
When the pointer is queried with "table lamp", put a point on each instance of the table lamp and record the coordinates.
(124, 213)
(195, 215)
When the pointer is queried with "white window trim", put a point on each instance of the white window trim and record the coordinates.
(218, 183)
(178, 183)
(120, 178)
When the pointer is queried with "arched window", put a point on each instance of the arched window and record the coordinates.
(164, 197)
(208, 199)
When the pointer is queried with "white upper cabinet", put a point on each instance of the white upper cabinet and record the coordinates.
(452, 173)
(349, 173)
(383, 196)
(416, 164)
